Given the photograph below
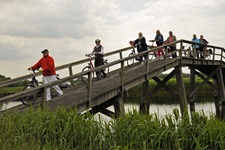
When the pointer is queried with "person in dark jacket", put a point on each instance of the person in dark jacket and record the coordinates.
(201, 47)
(159, 42)
(140, 42)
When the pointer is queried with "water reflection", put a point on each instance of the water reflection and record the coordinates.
(159, 109)
(162, 109)
(9, 105)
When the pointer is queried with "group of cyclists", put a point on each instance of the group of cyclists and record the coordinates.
(47, 67)
(140, 42)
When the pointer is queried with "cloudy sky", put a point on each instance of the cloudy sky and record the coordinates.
(68, 28)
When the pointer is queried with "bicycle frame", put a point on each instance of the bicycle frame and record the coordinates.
(133, 50)
(90, 64)
(33, 80)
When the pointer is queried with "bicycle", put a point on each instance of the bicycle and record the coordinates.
(153, 53)
(31, 98)
(131, 60)
(91, 66)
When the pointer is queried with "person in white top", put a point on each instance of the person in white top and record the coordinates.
(98, 51)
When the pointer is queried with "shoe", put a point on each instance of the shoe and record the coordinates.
(98, 77)
(104, 75)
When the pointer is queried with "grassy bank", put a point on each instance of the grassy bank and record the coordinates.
(65, 130)
(205, 94)
(9, 90)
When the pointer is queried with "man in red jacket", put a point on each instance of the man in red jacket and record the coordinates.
(47, 67)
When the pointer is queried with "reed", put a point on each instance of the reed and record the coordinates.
(64, 129)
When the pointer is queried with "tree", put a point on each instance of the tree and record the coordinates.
(4, 78)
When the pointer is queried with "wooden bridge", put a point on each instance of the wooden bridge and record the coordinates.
(96, 96)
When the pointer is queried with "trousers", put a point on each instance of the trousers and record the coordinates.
(48, 79)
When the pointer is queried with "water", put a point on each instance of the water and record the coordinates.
(159, 109)
(162, 109)
(9, 105)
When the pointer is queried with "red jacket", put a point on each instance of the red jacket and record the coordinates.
(47, 64)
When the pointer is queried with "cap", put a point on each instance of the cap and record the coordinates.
(44, 51)
(97, 40)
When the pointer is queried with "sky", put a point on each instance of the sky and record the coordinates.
(68, 28)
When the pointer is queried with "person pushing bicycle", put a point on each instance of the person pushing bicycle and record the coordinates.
(98, 51)
(47, 67)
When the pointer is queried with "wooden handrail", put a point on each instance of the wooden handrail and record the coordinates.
(65, 66)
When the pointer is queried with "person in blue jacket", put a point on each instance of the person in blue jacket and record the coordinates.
(196, 46)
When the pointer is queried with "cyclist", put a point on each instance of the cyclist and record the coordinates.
(141, 45)
(196, 40)
(98, 51)
(159, 42)
(47, 67)
(202, 41)
(171, 39)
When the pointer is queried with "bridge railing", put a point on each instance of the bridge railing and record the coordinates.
(62, 67)
(218, 55)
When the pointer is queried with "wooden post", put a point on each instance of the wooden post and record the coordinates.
(204, 52)
(89, 92)
(119, 106)
(217, 102)
(221, 92)
(147, 66)
(122, 73)
(194, 51)
(181, 91)
(71, 73)
(214, 51)
(44, 98)
(181, 49)
(221, 56)
(144, 105)
(121, 70)
(192, 82)
(166, 53)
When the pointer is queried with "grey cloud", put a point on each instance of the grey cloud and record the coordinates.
(45, 20)
(135, 5)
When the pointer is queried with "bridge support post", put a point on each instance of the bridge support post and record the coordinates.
(44, 98)
(71, 73)
(181, 91)
(221, 92)
(144, 105)
(217, 102)
(119, 106)
(192, 82)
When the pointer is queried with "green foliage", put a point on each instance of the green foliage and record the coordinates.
(11, 89)
(205, 94)
(36, 129)
(4, 78)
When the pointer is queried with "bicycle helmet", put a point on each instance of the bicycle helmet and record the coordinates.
(97, 40)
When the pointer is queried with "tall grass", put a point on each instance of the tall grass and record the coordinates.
(35, 129)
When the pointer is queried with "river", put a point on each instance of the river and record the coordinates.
(159, 109)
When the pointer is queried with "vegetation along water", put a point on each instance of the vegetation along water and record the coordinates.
(63, 129)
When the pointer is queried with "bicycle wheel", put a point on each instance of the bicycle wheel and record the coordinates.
(106, 69)
(151, 55)
(85, 77)
(29, 99)
(131, 60)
